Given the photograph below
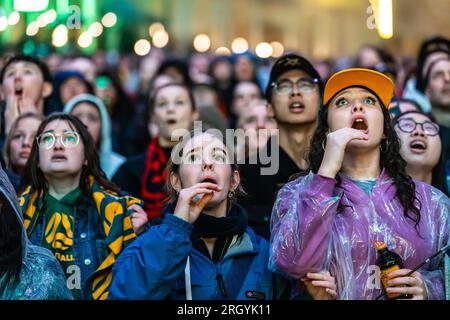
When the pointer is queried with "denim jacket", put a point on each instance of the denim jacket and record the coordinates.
(89, 248)
(102, 228)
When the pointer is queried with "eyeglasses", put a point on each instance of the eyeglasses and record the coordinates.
(287, 86)
(68, 139)
(409, 125)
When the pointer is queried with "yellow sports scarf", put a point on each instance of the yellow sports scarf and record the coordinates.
(116, 222)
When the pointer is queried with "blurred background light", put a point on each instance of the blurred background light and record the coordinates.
(239, 45)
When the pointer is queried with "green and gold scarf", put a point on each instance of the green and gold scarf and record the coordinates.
(115, 219)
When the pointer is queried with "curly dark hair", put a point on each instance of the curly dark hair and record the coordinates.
(34, 177)
(390, 160)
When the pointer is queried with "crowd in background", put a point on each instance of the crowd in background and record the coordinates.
(87, 143)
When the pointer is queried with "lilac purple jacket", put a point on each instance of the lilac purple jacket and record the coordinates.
(318, 225)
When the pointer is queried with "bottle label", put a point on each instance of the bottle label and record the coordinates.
(384, 279)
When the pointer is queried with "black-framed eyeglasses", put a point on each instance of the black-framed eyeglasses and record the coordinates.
(68, 139)
(409, 125)
(304, 85)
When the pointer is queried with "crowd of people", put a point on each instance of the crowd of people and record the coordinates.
(109, 190)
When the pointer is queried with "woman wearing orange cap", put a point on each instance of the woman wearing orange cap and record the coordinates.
(356, 193)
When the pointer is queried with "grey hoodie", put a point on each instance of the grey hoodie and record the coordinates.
(109, 160)
(41, 276)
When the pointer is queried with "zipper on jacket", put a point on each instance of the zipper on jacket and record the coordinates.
(221, 284)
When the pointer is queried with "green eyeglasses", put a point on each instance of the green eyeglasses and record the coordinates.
(68, 139)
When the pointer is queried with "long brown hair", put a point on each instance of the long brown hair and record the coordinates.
(9, 138)
(34, 177)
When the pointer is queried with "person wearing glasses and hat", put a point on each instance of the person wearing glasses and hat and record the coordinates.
(70, 207)
(293, 94)
(356, 192)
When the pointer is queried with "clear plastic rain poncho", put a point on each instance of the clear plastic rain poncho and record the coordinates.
(318, 225)
(41, 276)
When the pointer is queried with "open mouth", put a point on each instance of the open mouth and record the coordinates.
(418, 145)
(59, 158)
(296, 107)
(210, 180)
(171, 121)
(18, 90)
(359, 124)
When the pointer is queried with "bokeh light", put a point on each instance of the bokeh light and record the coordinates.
(202, 43)
(160, 39)
(109, 19)
(263, 50)
(85, 40)
(142, 47)
(277, 49)
(155, 27)
(239, 45)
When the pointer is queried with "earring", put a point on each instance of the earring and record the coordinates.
(323, 144)
(231, 194)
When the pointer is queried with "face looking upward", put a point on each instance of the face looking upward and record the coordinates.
(172, 110)
(61, 150)
(438, 89)
(360, 109)
(71, 88)
(295, 98)
(244, 93)
(25, 80)
(206, 159)
(22, 140)
(90, 116)
(420, 142)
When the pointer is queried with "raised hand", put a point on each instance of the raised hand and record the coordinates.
(139, 218)
(191, 201)
(335, 150)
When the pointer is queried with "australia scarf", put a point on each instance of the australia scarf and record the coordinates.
(116, 222)
(153, 181)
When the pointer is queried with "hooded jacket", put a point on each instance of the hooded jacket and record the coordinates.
(163, 264)
(109, 160)
(318, 224)
(41, 276)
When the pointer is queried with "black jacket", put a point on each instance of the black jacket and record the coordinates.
(262, 189)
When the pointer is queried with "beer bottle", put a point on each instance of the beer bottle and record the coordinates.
(389, 261)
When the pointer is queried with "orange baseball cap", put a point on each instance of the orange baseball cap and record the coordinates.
(379, 83)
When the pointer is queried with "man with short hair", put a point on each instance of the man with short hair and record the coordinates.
(26, 86)
(26, 83)
(294, 93)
